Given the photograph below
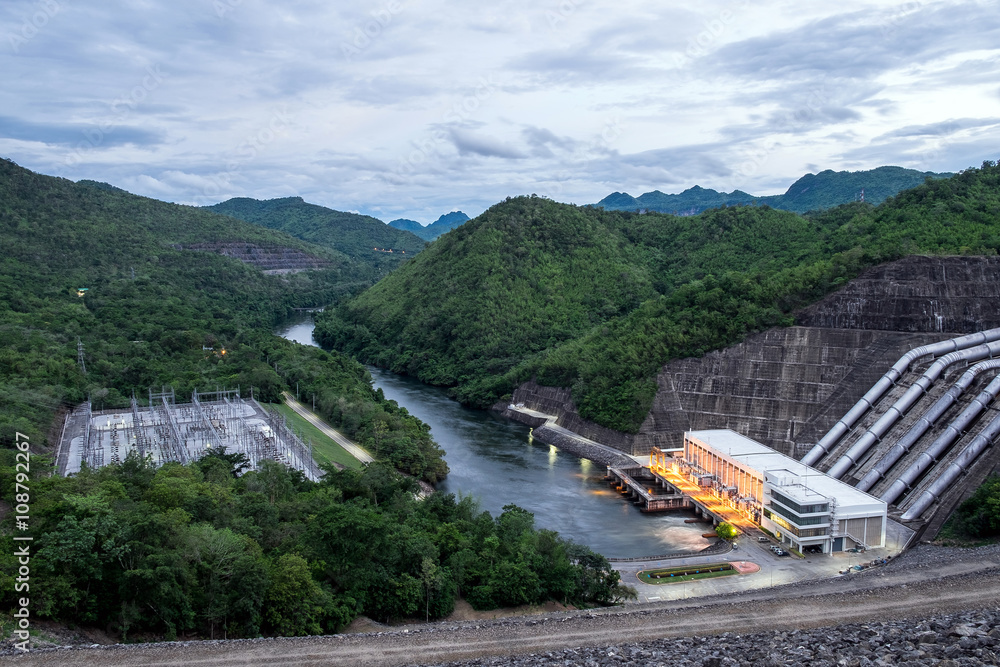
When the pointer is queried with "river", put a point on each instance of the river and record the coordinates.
(497, 461)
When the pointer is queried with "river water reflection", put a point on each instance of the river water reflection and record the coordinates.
(497, 461)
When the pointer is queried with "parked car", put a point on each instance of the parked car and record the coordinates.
(763, 539)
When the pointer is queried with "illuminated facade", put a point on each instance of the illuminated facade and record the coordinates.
(798, 504)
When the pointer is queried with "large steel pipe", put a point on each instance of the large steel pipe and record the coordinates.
(943, 442)
(907, 401)
(957, 468)
(923, 424)
(847, 422)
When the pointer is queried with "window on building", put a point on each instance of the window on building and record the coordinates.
(797, 508)
(801, 521)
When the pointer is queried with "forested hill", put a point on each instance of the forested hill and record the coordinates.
(599, 300)
(812, 192)
(364, 239)
(160, 287)
(530, 275)
(526, 275)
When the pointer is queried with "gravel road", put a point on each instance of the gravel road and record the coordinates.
(924, 583)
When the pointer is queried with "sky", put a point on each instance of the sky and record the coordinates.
(414, 108)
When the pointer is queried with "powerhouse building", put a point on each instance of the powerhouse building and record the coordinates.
(798, 504)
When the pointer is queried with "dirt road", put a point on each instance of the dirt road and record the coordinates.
(902, 590)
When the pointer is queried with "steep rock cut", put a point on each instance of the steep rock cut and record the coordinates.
(267, 258)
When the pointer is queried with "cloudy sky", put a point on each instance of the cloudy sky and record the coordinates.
(413, 108)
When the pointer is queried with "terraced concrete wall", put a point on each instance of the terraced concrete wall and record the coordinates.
(954, 295)
(787, 387)
(780, 387)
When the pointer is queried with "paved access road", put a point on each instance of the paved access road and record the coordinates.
(913, 586)
(329, 432)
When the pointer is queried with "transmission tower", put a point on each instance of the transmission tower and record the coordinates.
(79, 355)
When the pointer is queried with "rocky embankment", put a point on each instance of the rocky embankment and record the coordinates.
(574, 445)
(950, 640)
(544, 429)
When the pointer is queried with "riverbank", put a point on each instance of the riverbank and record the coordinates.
(557, 477)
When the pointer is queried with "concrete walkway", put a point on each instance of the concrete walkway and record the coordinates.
(327, 430)
(550, 423)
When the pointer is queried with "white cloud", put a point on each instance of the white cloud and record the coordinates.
(409, 109)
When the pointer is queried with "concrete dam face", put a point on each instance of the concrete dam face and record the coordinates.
(787, 387)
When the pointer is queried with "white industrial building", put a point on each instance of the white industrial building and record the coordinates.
(800, 505)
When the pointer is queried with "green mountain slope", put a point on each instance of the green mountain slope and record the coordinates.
(812, 192)
(524, 276)
(364, 239)
(411, 226)
(160, 286)
(828, 188)
(715, 277)
(442, 225)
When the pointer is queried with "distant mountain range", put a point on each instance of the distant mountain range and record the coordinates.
(445, 223)
(810, 193)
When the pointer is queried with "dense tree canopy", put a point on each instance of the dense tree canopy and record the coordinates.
(196, 549)
(979, 516)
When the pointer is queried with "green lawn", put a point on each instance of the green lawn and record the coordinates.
(324, 449)
(645, 576)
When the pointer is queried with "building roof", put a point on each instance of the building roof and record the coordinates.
(793, 478)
